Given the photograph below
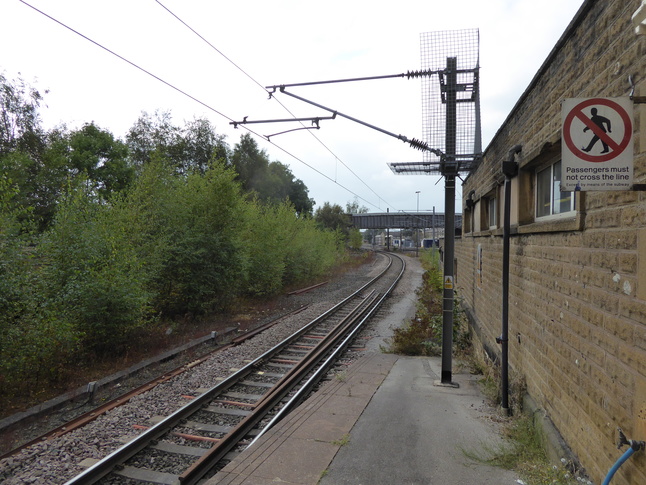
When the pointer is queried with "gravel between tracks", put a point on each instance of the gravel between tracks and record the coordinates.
(56, 461)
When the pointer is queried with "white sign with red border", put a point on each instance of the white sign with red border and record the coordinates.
(597, 144)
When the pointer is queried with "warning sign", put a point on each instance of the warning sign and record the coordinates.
(448, 282)
(597, 151)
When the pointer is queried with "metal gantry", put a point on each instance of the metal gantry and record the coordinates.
(451, 122)
(451, 144)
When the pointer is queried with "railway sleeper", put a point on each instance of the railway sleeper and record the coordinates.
(146, 475)
(268, 385)
(241, 395)
(229, 411)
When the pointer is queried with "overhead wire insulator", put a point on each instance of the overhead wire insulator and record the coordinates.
(419, 144)
(422, 73)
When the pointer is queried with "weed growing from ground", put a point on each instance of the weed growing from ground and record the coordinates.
(523, 452)
(423, 335)
(344, 440)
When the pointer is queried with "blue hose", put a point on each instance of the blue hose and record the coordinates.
(616, 466)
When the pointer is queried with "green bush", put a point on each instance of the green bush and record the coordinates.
(38, 350)
(170, 245)
(268, 232)
(92, 277)
(33, 344)
(423, 336)
(203, 266)
(285, 249)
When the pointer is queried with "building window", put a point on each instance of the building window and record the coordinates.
(550, 200)
(493, 219)
(488, 212)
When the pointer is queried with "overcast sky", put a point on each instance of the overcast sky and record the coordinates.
(260, 43)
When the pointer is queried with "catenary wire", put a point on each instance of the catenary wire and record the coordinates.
(207, 106)
(265, 90)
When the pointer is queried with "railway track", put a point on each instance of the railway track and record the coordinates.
(217, 423)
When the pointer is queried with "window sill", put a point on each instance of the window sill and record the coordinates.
(572, 222)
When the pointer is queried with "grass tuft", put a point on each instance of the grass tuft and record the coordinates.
(523, 453)
(423, 335)
(344, 440)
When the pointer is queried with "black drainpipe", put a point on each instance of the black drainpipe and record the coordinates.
(510, 169)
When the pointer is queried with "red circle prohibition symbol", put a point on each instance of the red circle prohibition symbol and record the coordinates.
(616, 148)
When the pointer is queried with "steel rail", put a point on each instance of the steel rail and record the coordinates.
(104, 466)
(219, 450)
(302, 393)
(339, 328)
(95, 413)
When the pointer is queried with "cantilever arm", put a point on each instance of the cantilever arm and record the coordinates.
(314, 119)
(420, 145)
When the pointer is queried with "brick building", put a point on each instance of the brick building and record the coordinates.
(577, 292)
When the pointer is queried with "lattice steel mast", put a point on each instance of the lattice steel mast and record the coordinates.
(451, 122)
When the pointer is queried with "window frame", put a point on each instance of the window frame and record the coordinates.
(492, 211)
(554, 181)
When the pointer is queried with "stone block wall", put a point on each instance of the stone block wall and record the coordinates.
(577, 308)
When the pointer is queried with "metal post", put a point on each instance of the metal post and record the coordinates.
(417, 228)
(433, 245)
(388, 233)
(447, 307)
(509, 169)
(504, 337)
(449, 172)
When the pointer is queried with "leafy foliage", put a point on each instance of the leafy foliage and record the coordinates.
(270, 182)
(92, 277)
(185, 149)
(203, 255)
(33, 345)
(283, 249)
(102, 240)
(332, 217)
(95, 153)
(19, 120)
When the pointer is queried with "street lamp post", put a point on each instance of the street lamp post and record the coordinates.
(417, 228)
(433, 223)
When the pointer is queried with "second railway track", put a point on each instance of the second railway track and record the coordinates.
(216, 423)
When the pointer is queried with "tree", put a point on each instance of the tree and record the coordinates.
(271, 182)
(189, 148)
(22, 144)
(354, 207)
(19, 119)
(101, 158)
(292, 188)
(204, 259)
(39, 176)
(148, 135)
(90, 154)
(332, 217)
(92, 278)
(298, 195)
(201, 145)
(250, 162)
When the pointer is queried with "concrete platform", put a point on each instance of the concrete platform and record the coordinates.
(383, 421)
